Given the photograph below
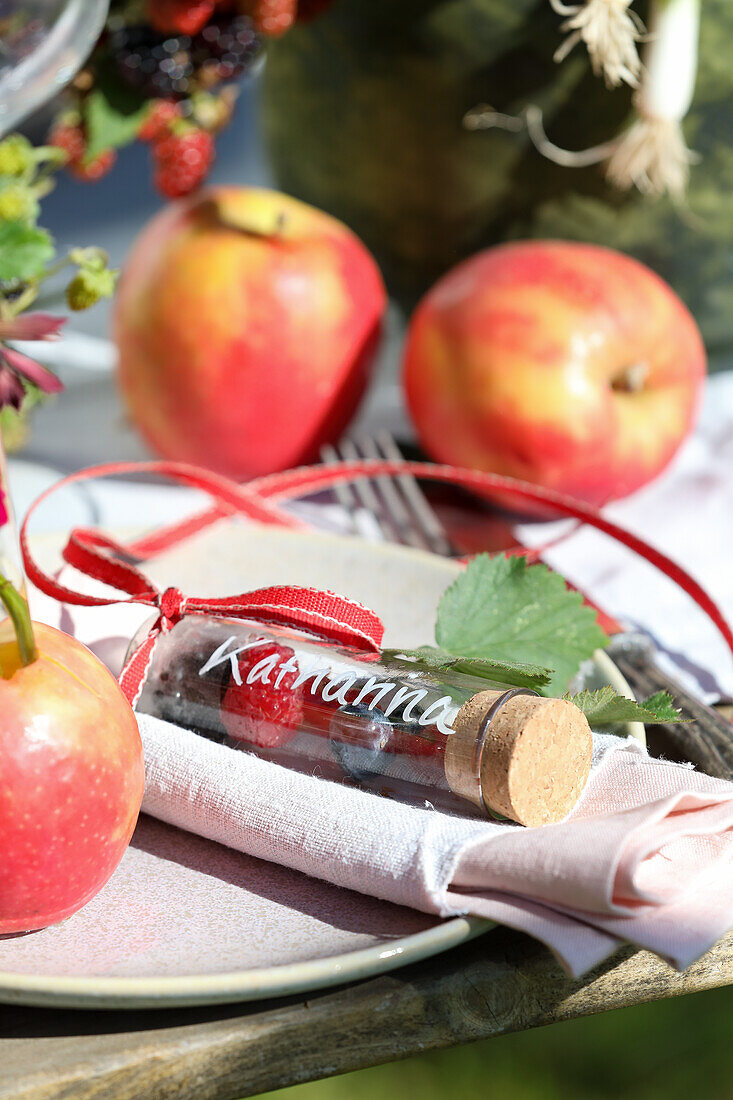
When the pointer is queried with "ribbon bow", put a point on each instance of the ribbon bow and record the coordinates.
(321, 614)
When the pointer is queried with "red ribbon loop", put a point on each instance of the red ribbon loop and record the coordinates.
(101, 558)
(320, 613)
(323, 614)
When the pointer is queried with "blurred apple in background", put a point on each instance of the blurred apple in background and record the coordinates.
(568, 365)
(71, 779)
(246, 324)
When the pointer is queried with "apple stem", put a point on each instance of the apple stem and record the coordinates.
(17, 608)
(255, 222)
(632, 379)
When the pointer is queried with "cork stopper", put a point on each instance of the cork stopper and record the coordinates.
(519, 755)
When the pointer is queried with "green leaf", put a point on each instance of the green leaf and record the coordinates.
(112, 116)
(514, 673)
(604, 707)
(24, 250)
(501, 609)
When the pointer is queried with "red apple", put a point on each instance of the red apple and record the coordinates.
(71, 780)
(567, 365)
(246, 324)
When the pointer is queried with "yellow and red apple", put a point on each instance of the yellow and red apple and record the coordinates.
(567, 365)
(246, 324)
(71, 780)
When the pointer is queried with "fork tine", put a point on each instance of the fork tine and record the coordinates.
(363, 490)
(426, 521)
(401, 518)
(397, 505)
(344, 492)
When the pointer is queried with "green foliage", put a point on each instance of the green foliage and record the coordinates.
(604, 707)
(112, 117)
(27, 255)
(24, 251)
(503, 610)
(515, 673)
(14, 422)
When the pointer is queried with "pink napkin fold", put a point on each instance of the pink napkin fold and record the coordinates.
(645, 858)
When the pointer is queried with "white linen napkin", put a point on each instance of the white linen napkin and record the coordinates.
(646, 856)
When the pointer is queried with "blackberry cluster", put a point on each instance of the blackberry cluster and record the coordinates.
(228, 44)
(162, 66)
(157, 66)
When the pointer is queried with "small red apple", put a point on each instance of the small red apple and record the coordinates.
(71, 780)
(246, 324)
(567, 365)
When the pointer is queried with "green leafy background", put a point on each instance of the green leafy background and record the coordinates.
(671, 1050)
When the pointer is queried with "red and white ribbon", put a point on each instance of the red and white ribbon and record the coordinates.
(321, 613)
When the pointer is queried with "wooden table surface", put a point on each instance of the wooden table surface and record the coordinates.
(497, 983)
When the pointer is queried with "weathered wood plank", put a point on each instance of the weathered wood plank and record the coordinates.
(500, 983)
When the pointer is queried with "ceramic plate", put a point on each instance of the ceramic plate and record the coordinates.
(185, 921)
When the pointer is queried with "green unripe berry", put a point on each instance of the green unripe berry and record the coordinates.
(18, 204)
(16, 155)
(88, 286)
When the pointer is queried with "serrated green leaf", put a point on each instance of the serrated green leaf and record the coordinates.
(605, 707)
(113, 115)
(514, 673)
(24, 250)
(661, 705)
(502, 609)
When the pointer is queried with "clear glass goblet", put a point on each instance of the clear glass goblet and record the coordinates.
(43, 44)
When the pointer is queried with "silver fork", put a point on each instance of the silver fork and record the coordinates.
(396, 505)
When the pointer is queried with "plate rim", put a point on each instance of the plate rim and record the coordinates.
(288, 979)
(234, 986)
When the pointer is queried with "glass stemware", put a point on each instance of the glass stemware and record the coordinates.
(43, 43)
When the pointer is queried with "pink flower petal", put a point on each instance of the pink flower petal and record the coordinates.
(3, 510)
(32, 326)
(11, 387)
(32, 371)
